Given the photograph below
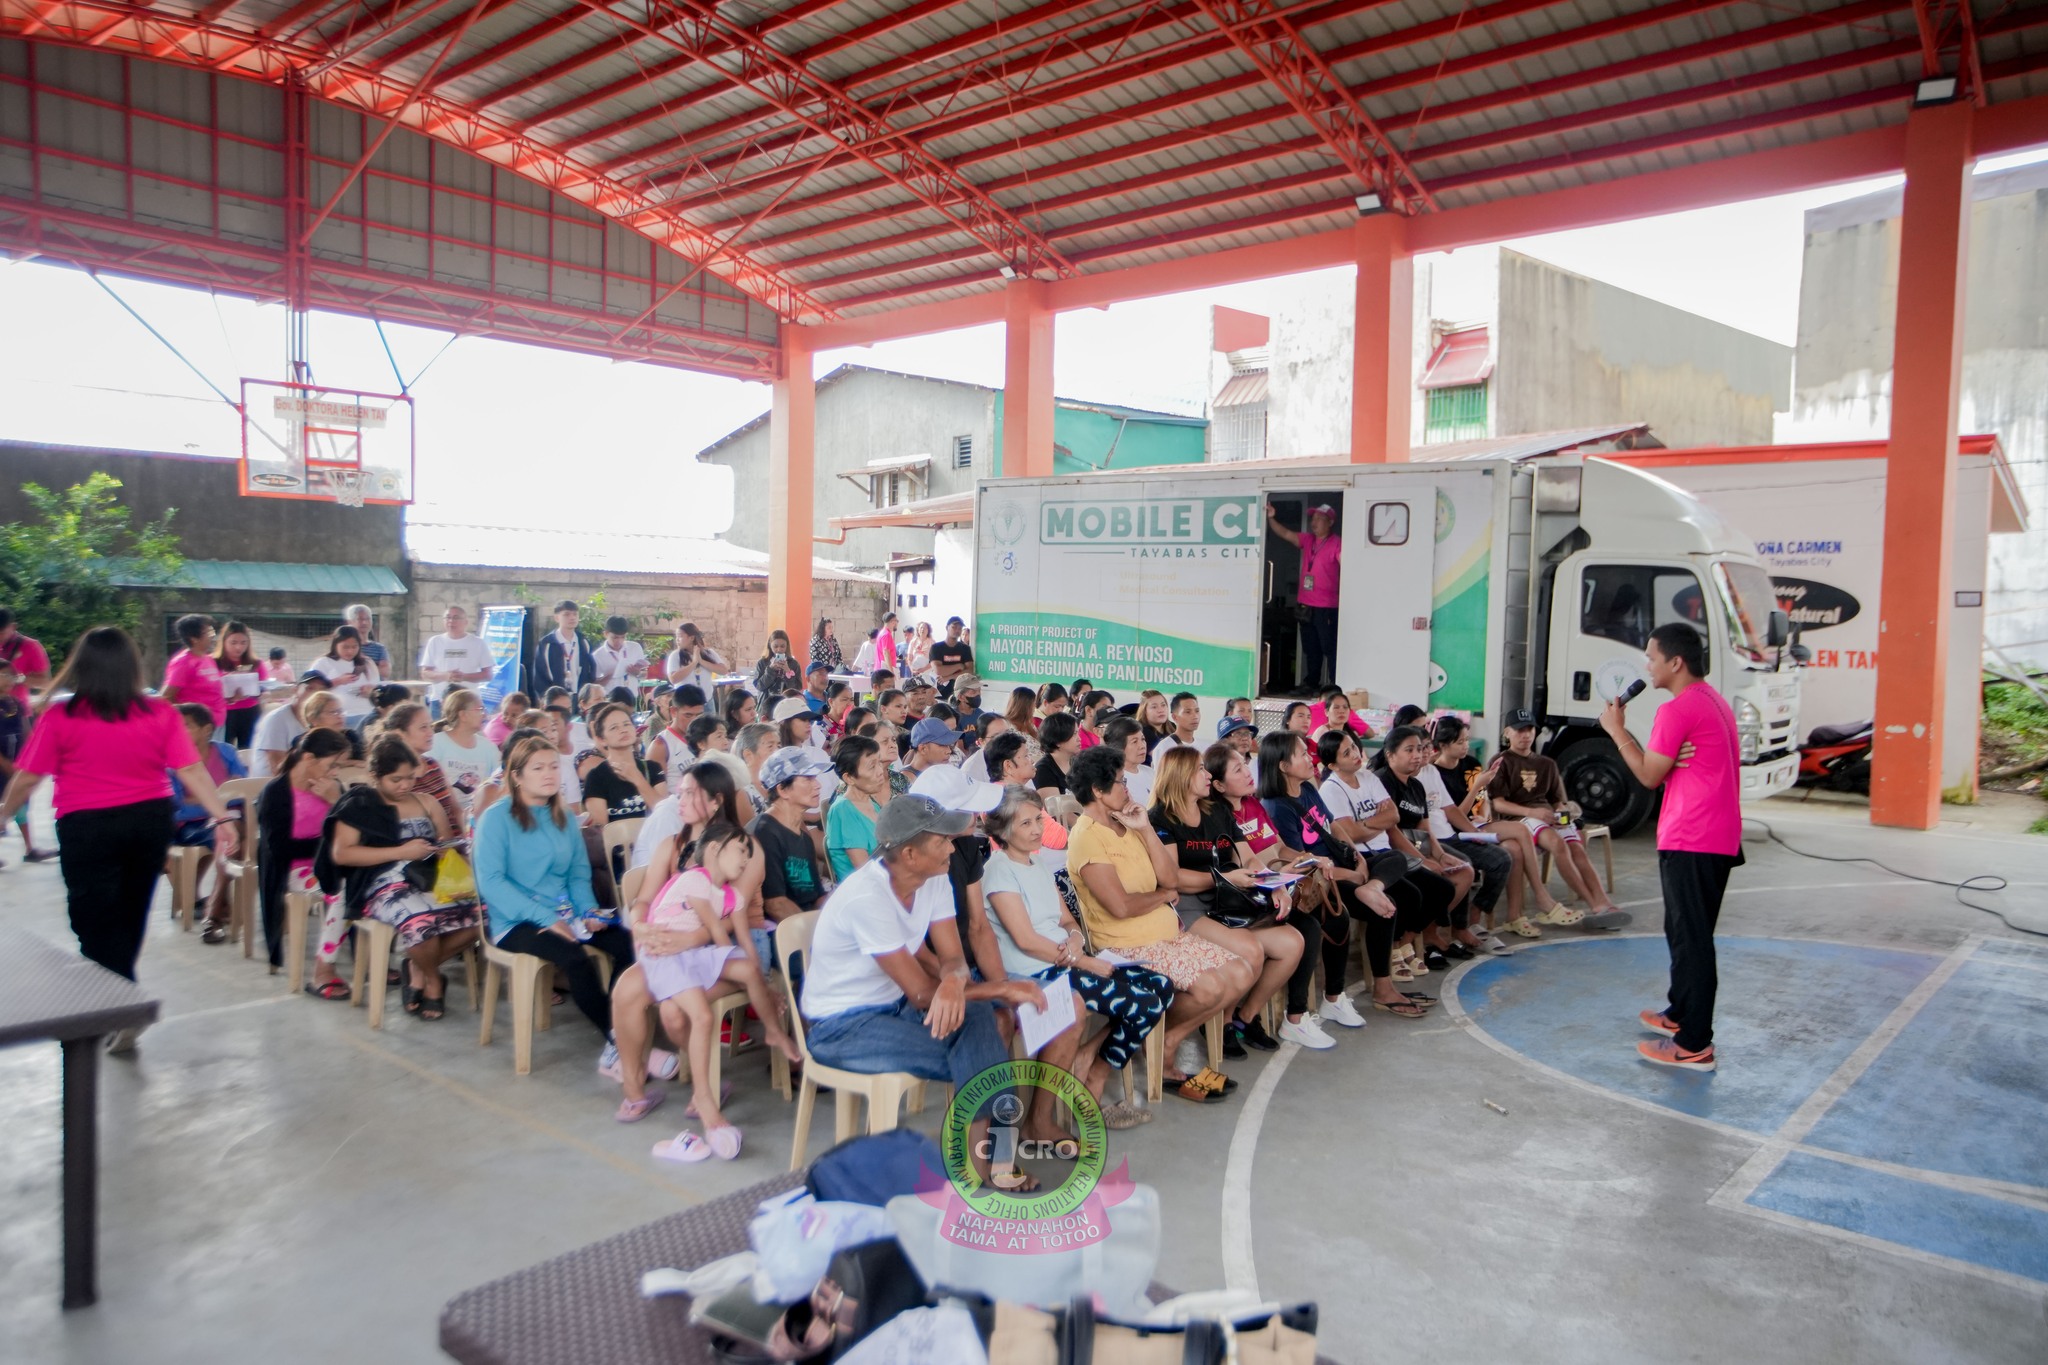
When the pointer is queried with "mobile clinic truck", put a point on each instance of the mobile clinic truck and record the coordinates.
(1474, 585)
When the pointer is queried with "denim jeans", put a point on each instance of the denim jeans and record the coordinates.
(880, 1038)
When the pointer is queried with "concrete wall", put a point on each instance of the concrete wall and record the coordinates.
(1847, 304)
(1574, 352)
(732, 612)
(866, 415)
(214, 521)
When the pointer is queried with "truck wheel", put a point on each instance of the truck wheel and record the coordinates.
(1608, 793)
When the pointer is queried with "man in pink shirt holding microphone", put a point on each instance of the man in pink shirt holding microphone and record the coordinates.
(1695, 756)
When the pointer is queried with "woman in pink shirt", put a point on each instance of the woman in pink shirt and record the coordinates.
(236, 657)
(193, 675)
(111, 749)
(1321, 563)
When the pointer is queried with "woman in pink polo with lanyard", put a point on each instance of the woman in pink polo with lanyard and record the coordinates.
(112, 749)
(1321, 564)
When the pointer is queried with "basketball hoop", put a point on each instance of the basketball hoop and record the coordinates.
(347, 485)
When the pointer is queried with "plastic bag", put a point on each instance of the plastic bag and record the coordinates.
(795, 1236)
(453, 880)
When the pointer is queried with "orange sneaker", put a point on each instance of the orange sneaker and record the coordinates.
(1656, 1022)
(1668, 1053)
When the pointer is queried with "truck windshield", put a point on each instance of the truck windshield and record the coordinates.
(1749, 598)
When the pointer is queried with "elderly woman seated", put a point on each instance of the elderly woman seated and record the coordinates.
(1126, 882)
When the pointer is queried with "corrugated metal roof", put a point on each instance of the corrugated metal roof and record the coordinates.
(864, 153)
(243, 575)
(1462, 357)
(1242, 389)
(526, 547)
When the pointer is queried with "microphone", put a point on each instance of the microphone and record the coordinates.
(1632, 691)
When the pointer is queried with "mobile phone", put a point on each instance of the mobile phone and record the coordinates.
(1305, 864)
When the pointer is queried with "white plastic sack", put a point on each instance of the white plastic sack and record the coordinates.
(795, 1236)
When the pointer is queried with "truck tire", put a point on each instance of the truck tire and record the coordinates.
(1607, 792)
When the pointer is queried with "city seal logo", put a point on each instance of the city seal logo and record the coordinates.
(1010, 524)
(1009, 1211)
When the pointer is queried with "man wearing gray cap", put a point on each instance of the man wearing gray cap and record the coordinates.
(790, 882)
(872, 1006)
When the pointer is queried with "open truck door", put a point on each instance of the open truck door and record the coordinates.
(1384, 598)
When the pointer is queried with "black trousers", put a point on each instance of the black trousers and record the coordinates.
(575, 966)
(1494, 865)
(240, 727)
(111, 860)
(1411, 916)
(1693, 886)
(1314, 936)
(1318, 642)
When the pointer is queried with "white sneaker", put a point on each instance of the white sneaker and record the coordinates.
(608, 1060)
(1340, 1010)
(1306, 1034)
(1494, 943)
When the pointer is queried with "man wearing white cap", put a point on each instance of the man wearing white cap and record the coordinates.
(961, 794)
(1321, 564)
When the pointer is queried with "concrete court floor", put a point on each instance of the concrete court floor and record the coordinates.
(281, 1183)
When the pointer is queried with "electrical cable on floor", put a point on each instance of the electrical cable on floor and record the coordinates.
(1983, 882)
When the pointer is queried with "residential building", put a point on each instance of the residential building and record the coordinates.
(1843, 379)
(886, 439)
(1507, 345)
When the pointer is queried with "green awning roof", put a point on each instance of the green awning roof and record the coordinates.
(241, 575)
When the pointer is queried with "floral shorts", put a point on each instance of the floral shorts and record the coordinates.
(1181, 960)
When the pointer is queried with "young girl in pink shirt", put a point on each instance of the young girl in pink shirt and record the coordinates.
(689, 948)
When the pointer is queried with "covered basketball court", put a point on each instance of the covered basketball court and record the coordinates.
(731, 189)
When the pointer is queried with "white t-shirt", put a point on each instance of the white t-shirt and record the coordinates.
(614, 665)
(1139, 785)
(860, 921)
(352, 686)
(467, 769)
(1438, 796)
(278, 728)
(1356, 803)
(1168, 744)
(665, 821)
(1032, 883)
(446, 654)
(864, 657)
(701, 676)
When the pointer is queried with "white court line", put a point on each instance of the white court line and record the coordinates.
(221, 1009)
(1807, 1116)
(1239, 1271)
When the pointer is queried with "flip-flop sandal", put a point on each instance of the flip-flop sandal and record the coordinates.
(684, 1146)
(1600, 920)
(332, 989)
(724, 1098)
(1216, 1080)
(1406, 1009)
(725, 1141)
(632, 1111)
(1193, 1089)
(433, 1007)
(1120, 1116)
(410, 997)
(1419, 998)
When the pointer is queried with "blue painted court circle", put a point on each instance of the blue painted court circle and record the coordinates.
(1934, 1146)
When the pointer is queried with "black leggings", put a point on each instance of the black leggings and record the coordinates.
(111, 859)
(1495, 866)
(1411, 916)
(240, 727)
(575, 966)
(1431, 895)
(1314, 934)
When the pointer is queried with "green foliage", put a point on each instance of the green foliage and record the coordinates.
(2014, 712)
(591, 613)
(59, 571)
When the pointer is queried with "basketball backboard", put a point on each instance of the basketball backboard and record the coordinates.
(333, 445)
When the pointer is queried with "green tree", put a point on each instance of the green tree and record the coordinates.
(67, 570)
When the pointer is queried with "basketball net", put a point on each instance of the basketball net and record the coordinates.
(348, 486)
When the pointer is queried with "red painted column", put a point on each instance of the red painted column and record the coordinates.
(1027, 380)
(1383, 334)
(1919, 515)
(792, 476)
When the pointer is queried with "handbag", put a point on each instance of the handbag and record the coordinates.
(454, 879)
(1074, 1335)
(1234, 907)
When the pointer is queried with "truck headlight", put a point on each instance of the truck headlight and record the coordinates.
(1749, 728)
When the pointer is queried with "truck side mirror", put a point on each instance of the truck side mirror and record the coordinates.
(1778, 629)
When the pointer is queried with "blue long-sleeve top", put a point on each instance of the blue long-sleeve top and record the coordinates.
(525, 875)
(191, 812)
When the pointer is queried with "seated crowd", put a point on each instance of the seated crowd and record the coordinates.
(965, 854)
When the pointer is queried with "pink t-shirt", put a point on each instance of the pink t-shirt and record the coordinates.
(99, 764)
(1319, 714)
(197, 678)
(1320, 566)
(1702, 801)
(309, 817)
(28, 657)
(673, 907)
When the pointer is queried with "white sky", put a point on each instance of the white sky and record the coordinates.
(496, 420)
